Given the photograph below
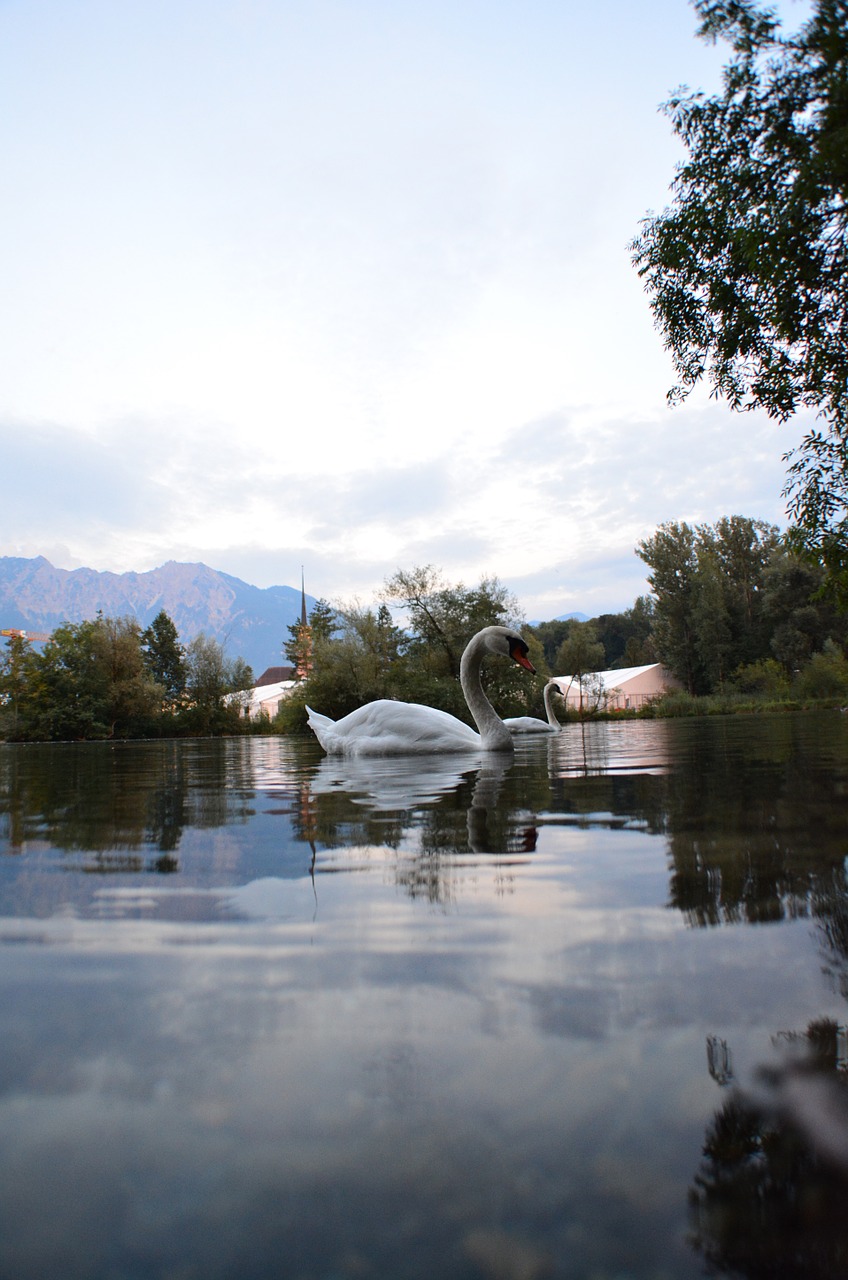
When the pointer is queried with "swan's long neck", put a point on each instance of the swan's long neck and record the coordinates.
(548, 695)
(493, 732)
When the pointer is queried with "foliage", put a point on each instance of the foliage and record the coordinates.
(627, 637)
(549, 635)
(581, 651)
(766, 676)
(132, 693)
(97, 679)
(18, 667)
(213, 682)
(89, 682)
(825, 675)
(747, 267)
(707, 583)
(164, 658)
(323, 620)
(443, 618)
(581, 654)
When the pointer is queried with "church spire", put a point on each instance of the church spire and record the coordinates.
(304, 636)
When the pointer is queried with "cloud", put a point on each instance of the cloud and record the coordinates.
(55, 477)
(355, 296)
(554, 509)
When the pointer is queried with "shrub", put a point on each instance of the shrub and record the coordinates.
(825, 675)
(765, 677)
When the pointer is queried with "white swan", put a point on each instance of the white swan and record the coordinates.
(530, 724)
(386, 727)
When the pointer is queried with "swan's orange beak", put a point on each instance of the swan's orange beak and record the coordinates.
(521, 658)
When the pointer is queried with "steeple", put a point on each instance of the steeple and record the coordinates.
(304, 636)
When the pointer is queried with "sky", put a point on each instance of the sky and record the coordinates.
(345, 285)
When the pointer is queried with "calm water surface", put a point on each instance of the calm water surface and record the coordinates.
(582, 1014)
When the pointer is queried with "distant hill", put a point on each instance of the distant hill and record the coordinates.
(563, 617)
(250, 622)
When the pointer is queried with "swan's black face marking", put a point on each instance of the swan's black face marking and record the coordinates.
(518, 653)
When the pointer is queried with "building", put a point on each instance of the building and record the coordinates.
(624, 690)
(265, 697)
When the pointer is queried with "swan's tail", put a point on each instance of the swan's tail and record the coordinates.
(319, 725)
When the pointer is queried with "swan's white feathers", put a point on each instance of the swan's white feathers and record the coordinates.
(385, 728)
(529, 724)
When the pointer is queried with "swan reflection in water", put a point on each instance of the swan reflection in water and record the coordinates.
(391, 783)
(399, 784)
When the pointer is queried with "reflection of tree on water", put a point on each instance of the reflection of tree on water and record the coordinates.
(830, 906)
(754, 834)
(112, 802)
(769, 1199)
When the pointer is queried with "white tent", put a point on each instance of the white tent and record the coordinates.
(265, 698)
(625, 689)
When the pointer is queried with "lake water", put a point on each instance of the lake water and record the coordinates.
(580, 1014)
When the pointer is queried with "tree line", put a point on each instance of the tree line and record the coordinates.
(109, 678)
(732, 608)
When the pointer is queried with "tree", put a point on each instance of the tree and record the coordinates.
(550, 636)
(164, 657)
(626, 636)
(132, 695)
(742, 550)
(671, 554)
(211, 678)
(356, 664)
(71, 699)
(747, 267)
(443, 618)
(581, 653)
(730, 595)
(17, 669)
(799, 613)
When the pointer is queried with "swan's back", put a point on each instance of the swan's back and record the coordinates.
(385, 728)
(527, 724)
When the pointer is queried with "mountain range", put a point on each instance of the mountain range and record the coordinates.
(250, 622)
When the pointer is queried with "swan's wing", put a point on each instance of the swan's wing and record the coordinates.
(385, 728)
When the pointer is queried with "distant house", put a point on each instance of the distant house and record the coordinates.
(626, 689)
(273, 685)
